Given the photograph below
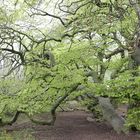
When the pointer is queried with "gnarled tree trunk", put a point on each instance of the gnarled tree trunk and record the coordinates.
(110, 115)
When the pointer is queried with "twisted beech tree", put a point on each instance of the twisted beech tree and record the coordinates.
(58, 46)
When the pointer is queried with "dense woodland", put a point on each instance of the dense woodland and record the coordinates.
(55, 51)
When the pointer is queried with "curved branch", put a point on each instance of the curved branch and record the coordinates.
(15, 117)
(55, 106)
(43, 13)
(14, 52)
(53, 111)
(118, 50)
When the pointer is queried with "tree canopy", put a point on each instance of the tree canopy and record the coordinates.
(55, 51)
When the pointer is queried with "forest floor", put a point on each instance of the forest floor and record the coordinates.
(68, 126)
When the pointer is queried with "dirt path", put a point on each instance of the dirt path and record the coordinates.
(73, 126)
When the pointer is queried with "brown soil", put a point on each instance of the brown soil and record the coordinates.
(72, 126)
